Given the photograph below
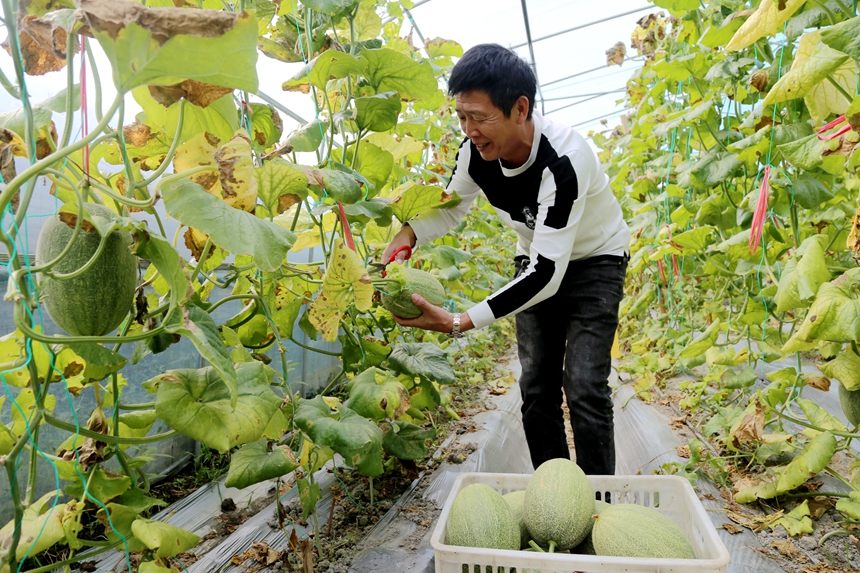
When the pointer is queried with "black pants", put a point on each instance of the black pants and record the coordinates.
(566, 342)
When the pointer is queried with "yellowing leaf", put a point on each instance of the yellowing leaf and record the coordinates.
(346, 282)
(311, 237)
(233, 180)
(808, 77)
(765, 21)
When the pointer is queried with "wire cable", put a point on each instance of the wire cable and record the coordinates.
(580, 27)
(593, 119)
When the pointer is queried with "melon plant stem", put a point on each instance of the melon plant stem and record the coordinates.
(107, 438)
(37, 167)
(70, 92)
(168, 157)
(11, 473)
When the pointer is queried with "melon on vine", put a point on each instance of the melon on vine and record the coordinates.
(96, 301)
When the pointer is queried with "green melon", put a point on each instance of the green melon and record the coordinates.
(480, 517)
(558, 505)
(95, 302)
(515, 500)
(630, 530)
(850, 402)
(587, 545)
(401, 283)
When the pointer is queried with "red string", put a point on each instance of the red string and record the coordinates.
(674, 258)
(759, 216)
(85, 128)
(844, 129)
(347, 232)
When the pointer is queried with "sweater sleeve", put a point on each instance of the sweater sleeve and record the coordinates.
(561, 203)
(434, 223)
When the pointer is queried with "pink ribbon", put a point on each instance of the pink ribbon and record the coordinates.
(759, 216)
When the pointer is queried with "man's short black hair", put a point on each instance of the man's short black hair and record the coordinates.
(499, 72)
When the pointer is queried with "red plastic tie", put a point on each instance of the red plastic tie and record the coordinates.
(347, 232)
(674, 258)
(759, 216)
(844, 129)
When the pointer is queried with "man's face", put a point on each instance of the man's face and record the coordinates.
(493, 134)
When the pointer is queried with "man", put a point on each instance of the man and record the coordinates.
(547, 184)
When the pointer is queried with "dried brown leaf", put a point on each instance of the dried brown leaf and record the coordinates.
(820, 505)
(682, 451)
(751, 427)
(819, 383)
(787, 548)
(616, 54)
(43, 45)
(71, 220)
(198, 93)
(111, 16)
(732, 528)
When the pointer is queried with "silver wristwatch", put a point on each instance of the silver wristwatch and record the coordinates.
(455, 329)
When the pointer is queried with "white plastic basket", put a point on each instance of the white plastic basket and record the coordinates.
(670, 495)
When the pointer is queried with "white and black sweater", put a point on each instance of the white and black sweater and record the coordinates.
(559, 203)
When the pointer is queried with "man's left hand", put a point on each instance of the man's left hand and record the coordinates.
(432, 317)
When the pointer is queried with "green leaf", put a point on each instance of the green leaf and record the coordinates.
(263, 126)
(330, 7)
(715, 37)
(236, 231)
(354, 437)
(330, 65)
(309, 494)
(196, 325)
(820, 417)
(374, 209)
(714, 168)
(419, 198)
(57, 102)
(695, 240)
(797, 522)
(677, 5)
(425, 360)
(814, 458)
(378, 112)
(701, 343)
(256, 462)
(280, 185)
(844, 37)
(850, 508)
(765, 21)
(218, 48)
(166, 260)
(804, 273)
(153, 567)
(372, 162)
(377, 395)
(308, 137)
(805, 152)
(197, 404)
(14, 120)
(407, 441)
(390, 71)
(164, 539)
(341, 187)
(809, 191)
(845, 368)
(139, 501)
(41, 527)
(102, 486)
(100, 361)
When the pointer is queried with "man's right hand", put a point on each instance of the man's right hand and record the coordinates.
(404, 237)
